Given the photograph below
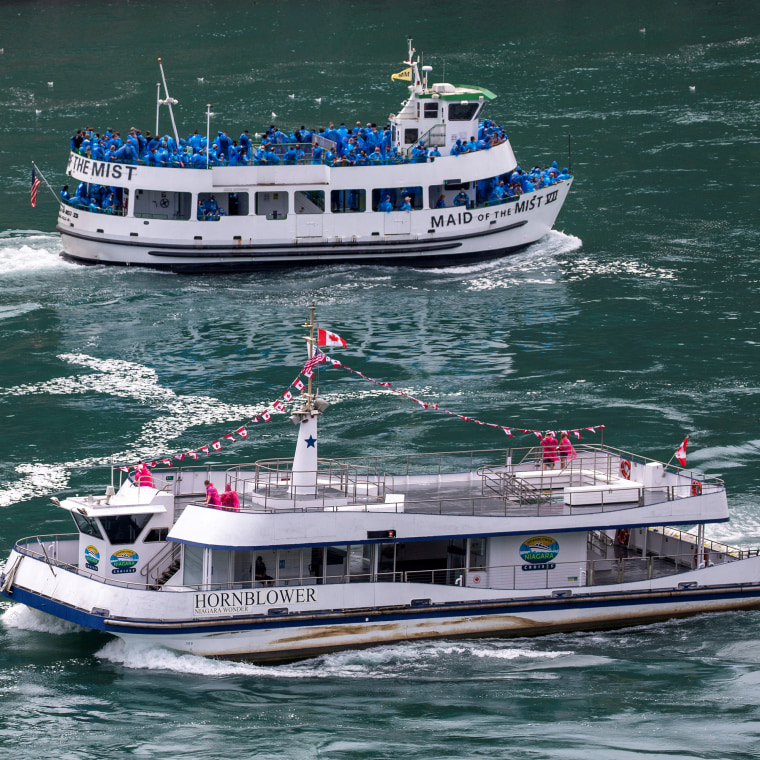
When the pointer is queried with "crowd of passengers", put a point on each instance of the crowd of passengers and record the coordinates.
(359, 146)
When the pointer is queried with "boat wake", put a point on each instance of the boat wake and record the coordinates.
(29, 251)
(26, 619)
(409, 660)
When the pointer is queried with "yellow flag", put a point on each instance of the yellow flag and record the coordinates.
(406, 75)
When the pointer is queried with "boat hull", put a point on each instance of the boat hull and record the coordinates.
(420, 612)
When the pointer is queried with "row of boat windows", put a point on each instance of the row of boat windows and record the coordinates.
(354, 563)
(155, 204)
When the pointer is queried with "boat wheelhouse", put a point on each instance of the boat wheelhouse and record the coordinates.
(390, 196)
(324, 554)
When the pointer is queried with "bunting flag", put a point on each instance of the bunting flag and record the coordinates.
(426, 405)
(404, 76)
(307, 371)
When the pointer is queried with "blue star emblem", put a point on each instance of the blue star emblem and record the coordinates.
(310, 441)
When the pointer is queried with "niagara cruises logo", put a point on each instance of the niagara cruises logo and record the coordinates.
(539, 551)
(91, 557)
(124, 561)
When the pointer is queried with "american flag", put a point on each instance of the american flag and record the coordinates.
(35, 185)
(318, 358)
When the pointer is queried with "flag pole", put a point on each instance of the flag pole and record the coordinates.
(310, 352)
(47, 184)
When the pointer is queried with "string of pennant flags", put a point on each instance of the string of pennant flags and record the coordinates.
(307, 371)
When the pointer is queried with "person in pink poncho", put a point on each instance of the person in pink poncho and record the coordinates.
(143, 476)
(212, 495)
(549, 446)
(230, 499)
(566, 450)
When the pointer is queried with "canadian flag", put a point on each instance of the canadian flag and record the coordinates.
(328, 338)
(288, 396)
(507, 431)
(216, 446)
(298, 385)
(167, 461)
(266, 416)
(278, 405)
(192, 454)
(242, 432)
(204, 449)
(681, 452)
(230, 437)
(179, 456)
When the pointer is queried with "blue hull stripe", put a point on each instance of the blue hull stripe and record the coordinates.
(743, 595)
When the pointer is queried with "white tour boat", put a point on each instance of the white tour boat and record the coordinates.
(323, 554)
(358, 194)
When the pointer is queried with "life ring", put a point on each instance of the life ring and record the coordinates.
(696, 488)
(625, 468)
(621, 536)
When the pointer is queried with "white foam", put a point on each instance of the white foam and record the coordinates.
(381, 662)
(27, 251)
(26, 619)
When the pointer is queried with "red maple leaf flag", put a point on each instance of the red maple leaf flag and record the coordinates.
(681, 452)
(328, 338)
(297, 384)
(216, 445)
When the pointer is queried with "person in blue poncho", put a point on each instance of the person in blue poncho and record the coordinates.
(65, 194)
(386, 206)
(407, 204)
(224, 142)
(462, 199)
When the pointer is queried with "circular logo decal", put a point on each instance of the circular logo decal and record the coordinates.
(91, 555)
(539, 549)
(124, 561)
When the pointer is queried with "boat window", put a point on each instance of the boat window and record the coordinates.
(449, 191)
(360, 563)
(424, 561)
(124, 529)
(386, 562)
(242, 567)
(397, 195)
(192, 565)
(87, 525)
(477, 552)
(317, 563)
(100, 199)
(347, 201)
(156, 534)
(410, 136)
(288, 564)
(309, 202)
(463, 111)
(272, 205)
(335, 564)
(220, 567)
(265, 567)
(212, 207)
(431, 110)
(162, 204)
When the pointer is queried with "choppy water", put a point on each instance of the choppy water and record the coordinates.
(640, 312)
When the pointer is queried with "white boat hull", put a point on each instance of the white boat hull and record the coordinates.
(392, 612)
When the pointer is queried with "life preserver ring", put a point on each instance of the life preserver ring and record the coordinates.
(696, 488)
(625, 468)
(621, 536)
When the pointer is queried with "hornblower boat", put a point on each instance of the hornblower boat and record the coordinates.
(320, 202)
(327, 554)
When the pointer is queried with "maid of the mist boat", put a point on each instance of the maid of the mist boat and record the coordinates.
(326, 554)
(318, 201)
